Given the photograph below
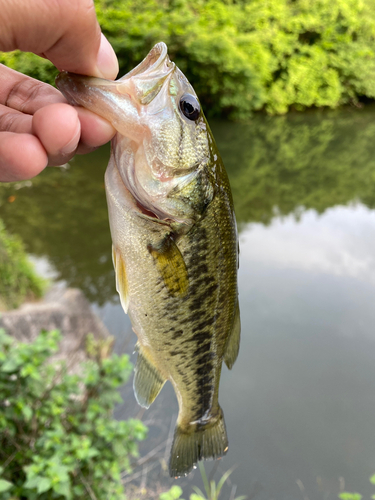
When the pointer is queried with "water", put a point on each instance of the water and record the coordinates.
(300, 401)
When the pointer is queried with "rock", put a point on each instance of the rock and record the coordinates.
(66, 310)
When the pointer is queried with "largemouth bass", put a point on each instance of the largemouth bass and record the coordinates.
(175, 249)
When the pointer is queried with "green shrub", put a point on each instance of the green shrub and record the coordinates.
(18, 279)
(246, 55)
(30, 64)
(58, 439)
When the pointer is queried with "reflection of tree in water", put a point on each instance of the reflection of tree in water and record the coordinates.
(276, 165)
(63, 216)
(300, 161)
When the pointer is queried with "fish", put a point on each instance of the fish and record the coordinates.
(174, 243)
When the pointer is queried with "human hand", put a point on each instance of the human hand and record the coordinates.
(37, 126)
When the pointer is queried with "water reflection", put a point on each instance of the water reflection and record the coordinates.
(340, 243)
(63, 216)
(305, 379)
(300, 401)
(277, 166)
(288, 164)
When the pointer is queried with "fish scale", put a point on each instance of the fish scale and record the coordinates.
(175, 248)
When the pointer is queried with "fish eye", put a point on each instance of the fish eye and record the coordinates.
(190, 107)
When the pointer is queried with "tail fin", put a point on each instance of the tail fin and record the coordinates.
(200, 443)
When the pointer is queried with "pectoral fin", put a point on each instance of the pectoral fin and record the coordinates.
(233, 343)
(121, 280)
(148, 381)
(171, 266)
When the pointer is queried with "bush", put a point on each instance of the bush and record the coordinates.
(243, 56)
(18, 278)
(30, 64)
(57, 436)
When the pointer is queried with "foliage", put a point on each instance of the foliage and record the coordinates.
(346, 495)
(212, 489)
(57, 436)
(243, 56)
(30, 64)
(18, 278)
(173, 494)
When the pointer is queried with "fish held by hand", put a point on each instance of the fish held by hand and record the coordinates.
(175, 248)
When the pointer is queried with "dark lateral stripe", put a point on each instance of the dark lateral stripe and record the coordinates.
(201, 283)
(199, 302)
(175, 353)
(203, 324)
(198, 337)
(177, 334)
(202, 349)
(198, 270)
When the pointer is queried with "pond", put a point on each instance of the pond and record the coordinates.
(299, 403)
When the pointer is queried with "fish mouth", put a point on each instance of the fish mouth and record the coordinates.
(150, 75)
(156, 63)
(142, 83)
(121, 101)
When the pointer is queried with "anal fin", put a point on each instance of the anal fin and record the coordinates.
(233, 343)
(148, 381)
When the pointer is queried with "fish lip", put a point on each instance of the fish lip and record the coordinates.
(160, 51)
(155, 69)
(145, 81)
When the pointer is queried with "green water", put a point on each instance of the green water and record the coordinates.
(300, 402)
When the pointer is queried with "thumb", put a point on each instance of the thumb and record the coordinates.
(64, 31)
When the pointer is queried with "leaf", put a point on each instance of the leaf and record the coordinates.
(204, 477)
(223, 479)
(11, 365)
(43, 485)
(346, 495)
(27, 412)
(173, 494)
(63, 489)
(32, 482)
(199, 492)
(5, 485)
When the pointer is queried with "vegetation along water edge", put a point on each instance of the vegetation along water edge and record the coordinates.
(242, 56)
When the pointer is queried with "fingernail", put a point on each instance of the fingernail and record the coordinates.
(106, 61)
(73, 143)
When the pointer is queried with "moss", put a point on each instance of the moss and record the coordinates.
(18, 279)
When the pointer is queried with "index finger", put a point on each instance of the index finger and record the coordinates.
(21, 92)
